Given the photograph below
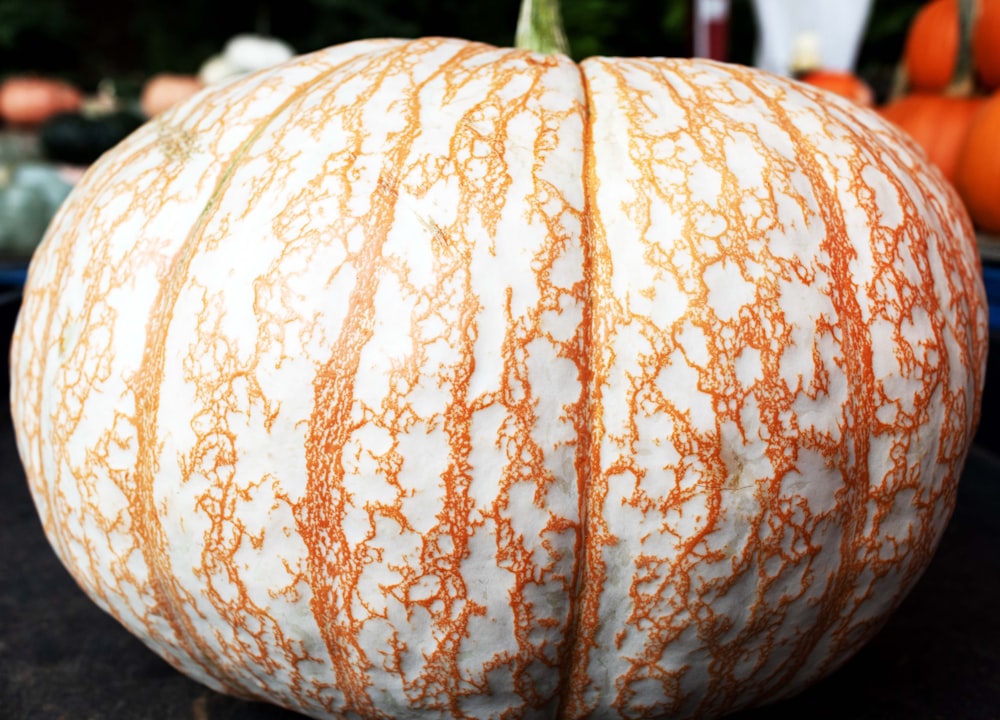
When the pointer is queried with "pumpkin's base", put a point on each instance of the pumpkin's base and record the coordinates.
(61, 656)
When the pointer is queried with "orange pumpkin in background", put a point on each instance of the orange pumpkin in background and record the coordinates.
(932, 44)
(986, 44)
(29, 100)
(432, 379)
(938, 123)
(164, 90)
(977, 173)
(845, 84)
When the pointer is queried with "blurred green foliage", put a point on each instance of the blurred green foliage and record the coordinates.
(130, 39)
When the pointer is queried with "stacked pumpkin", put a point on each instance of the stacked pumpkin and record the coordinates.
(949, 99)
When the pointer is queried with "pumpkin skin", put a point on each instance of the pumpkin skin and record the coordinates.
(422, 379)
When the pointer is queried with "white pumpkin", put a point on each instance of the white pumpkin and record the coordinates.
(434, 380)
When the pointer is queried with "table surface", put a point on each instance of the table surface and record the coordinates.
(938, 657)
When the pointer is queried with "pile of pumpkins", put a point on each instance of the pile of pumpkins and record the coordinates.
(241, 55)
(948, 98)
(53, 130)
(70, 129)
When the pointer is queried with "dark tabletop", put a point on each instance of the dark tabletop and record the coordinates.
(938, 658)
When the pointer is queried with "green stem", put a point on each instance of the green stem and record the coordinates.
(540, 28)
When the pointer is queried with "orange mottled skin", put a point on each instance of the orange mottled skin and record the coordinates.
(429, 379)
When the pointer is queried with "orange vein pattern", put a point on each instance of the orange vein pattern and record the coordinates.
(432, 379)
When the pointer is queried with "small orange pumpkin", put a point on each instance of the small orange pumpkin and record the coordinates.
(845, 84)
(938, 123)
(164, 90)
(977, 172)
(28, 100)
(931, 48)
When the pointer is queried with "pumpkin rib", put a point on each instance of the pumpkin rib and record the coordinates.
(350, 674)
(857, 343)
(149, 377)
(329, 434)
(858, 417)
(167, 594)
(833, 612)
(444, 663)
(48, 290)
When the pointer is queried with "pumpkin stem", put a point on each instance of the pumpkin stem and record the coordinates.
(963, 81)
(540, 28)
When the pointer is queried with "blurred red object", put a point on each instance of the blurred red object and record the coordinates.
(710, 28)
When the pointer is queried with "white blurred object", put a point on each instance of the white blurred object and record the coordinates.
(253, 52)
(825, 32)
(244, 54)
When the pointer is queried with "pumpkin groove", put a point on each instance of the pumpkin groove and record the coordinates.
(478, 381)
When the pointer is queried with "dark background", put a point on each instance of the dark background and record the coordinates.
(127, 40)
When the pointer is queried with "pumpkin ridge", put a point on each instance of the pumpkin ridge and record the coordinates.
(29, 447)
(64, 266)
(722, 452)
(450, 245)
(334, 573)
(170, 599)
(859, 419)
(527, 463)
(47, 290)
